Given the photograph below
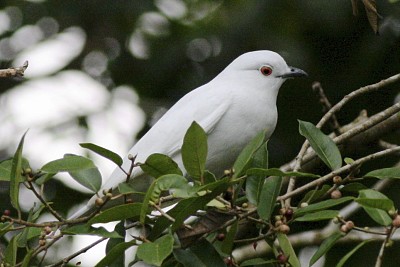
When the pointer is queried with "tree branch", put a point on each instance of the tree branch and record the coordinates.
(14, 72)
(343, 169)
(363, 90)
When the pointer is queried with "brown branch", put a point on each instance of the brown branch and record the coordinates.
(363, 90)
(361, 139)
(39, 249)
(31, 224)
(163, 213)
(343, 169)
(44, 202)
(326, 106)
(356, 93)
(83, 250)
(375, 119)
(14, 72)
(379, 259)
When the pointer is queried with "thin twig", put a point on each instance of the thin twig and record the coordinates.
(253, 239)
(44, 202)
(39, 249)
(343, 169)
(163, 213)
(356, 93)
(83, 250)
(372, 121)
(14, 72)
(385, 242)
(385, 145)
(31, 224)
(326, 106)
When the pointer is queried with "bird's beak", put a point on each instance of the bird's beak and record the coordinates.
(293, 73)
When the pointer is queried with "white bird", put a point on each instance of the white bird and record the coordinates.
(232, 109)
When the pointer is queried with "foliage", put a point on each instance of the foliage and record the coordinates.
(219, 244)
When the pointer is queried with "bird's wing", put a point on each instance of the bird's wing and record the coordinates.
(203, 105)
(166, 136)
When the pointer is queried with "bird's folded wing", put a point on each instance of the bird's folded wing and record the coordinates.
(166, 136)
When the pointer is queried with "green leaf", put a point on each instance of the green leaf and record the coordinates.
(209, 177)
(322, 205)
(313, 195)
(385, 173)
(187, 258)
(6, 166)
(156, 252)
(89, 178)
(188, 207)
(5, 227)
(288, 250)
(382, 204)
(269, 194)
(322, 144)
(157, 165)
(127, 189)
(278, 172)
(176, 183)
(254, 183)
(69, 163)
(80, 168)
(23, 237)
(349, 254)
(37, 213)
(33, 233)
(15, 175)
(44, 177)
(5, 170)
(260, 158)
(118, 258)
(10, 253)
(378, 215)
(207, 253)
(195, 205)
(353, 187)
(108, 154)
(115, 253)
(348, 160)
(27, 258)
(244, 158)
(117, 213)
(88, 230)
(326, 245)
(227, 244)
(194, 150)
(146, 202)
(318, 216)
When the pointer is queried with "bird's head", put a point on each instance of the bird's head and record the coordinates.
(263, 68)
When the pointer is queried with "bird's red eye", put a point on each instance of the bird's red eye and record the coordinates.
(265, 70)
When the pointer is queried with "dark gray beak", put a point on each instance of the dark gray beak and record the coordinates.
(294, 72)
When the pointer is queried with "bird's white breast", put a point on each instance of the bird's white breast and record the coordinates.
(251, 111)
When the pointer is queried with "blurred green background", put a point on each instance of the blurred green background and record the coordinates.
(101, 70)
